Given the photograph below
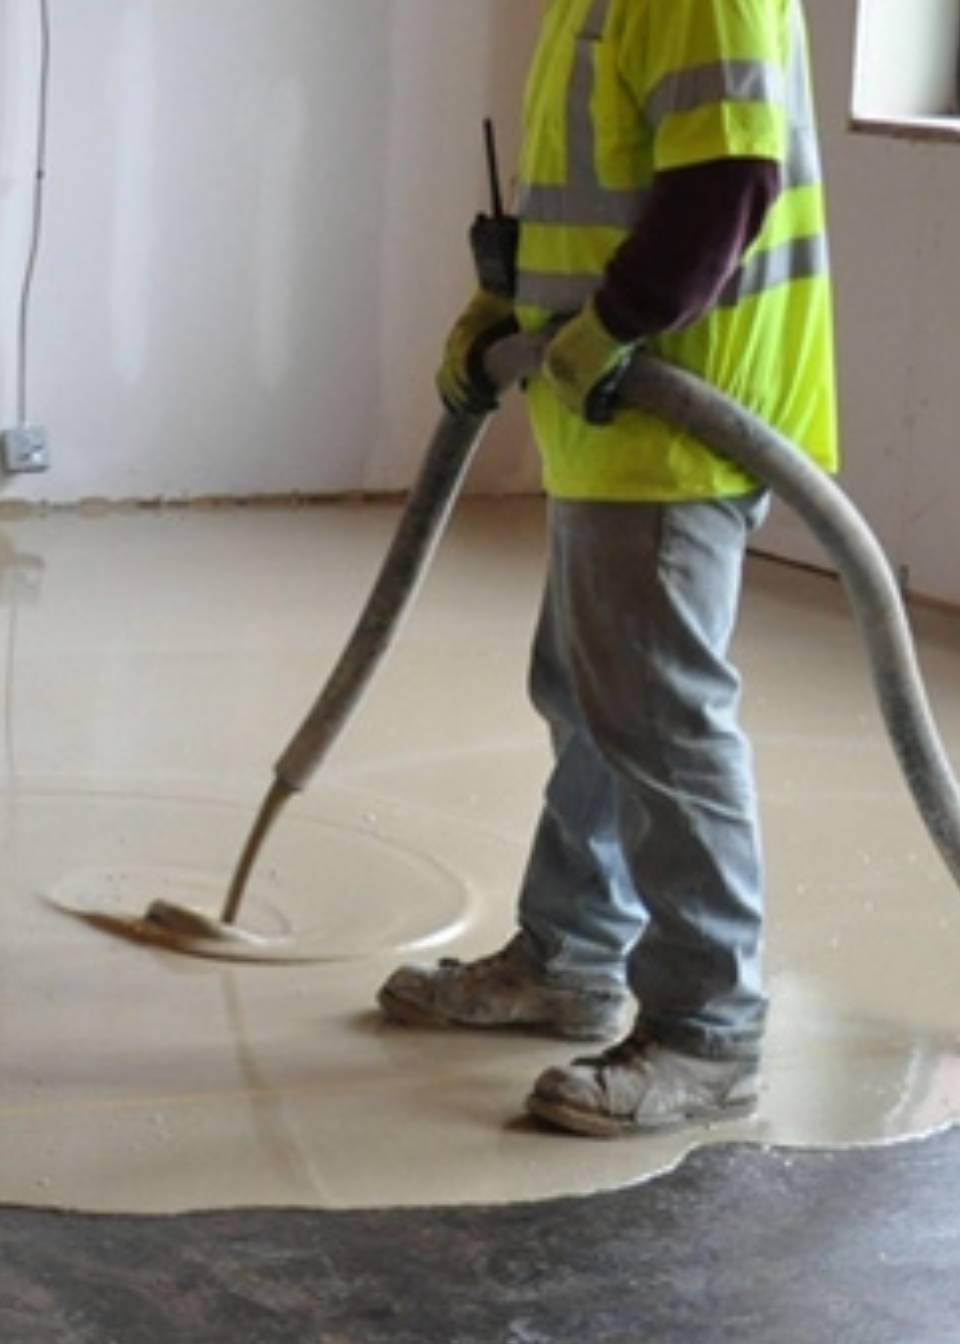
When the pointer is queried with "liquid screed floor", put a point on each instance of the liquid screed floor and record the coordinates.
(154, 664)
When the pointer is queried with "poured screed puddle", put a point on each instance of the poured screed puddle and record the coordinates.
(325, 891)
(160, 662)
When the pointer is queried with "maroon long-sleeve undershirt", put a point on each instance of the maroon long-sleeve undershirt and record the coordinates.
(696, 226)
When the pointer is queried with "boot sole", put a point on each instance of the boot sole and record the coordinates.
(574, 1121)
(409, 1014)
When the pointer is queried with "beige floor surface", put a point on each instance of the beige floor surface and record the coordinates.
(155, 664)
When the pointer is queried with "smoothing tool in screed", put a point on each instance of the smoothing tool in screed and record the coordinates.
(424, 517)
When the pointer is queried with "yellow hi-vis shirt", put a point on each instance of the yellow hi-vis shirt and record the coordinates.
(620, 90)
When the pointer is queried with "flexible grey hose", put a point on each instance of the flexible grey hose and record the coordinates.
(421, 525)
(444, 468)
(864, 570)
(674, 395)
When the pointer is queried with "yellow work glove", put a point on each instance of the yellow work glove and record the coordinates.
(582, 365)
(461, 379)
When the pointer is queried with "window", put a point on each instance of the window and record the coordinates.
(907, 77)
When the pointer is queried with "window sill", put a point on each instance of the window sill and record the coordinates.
(943, 129)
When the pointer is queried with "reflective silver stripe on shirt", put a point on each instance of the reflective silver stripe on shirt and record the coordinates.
(719, 82)
(596, 20)
(804, 167)
(584, 201)
(581, 206)
(753, 81)
(581, 139)
(798, 259)
(561, 294)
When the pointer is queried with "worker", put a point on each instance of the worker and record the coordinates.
(670, 199)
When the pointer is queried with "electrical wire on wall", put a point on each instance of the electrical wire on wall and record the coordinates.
(26, 447)
(20, 573)
(36, 230)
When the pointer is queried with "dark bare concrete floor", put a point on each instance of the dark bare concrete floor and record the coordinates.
(738, 1244)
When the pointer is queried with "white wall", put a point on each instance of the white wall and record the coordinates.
(255, 237)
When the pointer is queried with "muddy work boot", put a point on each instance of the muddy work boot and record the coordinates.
(639, 1086)
(500, 991)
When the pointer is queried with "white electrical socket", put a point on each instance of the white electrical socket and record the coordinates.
(26, 449)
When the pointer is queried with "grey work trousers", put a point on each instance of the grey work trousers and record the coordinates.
(646, 864)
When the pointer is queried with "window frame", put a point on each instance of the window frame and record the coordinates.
(931, 126)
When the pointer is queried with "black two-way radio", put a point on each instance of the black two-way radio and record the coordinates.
(494, 238)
